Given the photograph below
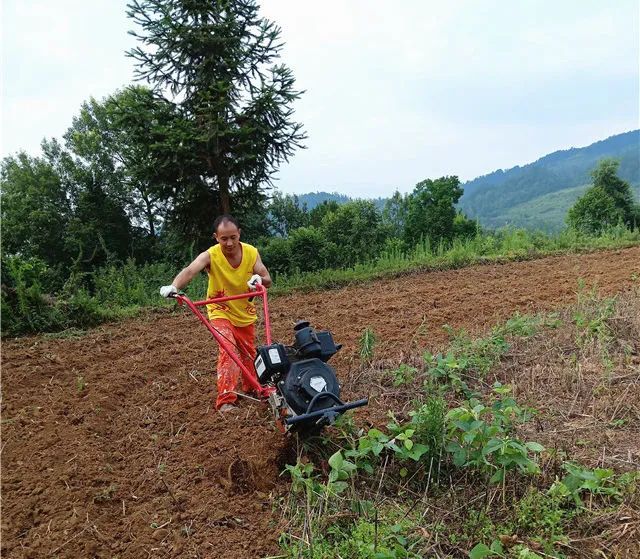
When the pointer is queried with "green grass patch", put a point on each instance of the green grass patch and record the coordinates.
(505, 245)
(121, 290)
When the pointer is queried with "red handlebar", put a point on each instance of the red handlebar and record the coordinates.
(260, 291)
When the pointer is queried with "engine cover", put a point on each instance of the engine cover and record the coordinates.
(306, 379)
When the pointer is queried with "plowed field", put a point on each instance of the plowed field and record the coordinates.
(111, 446)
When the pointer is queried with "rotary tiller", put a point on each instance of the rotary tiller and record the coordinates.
(301, 388)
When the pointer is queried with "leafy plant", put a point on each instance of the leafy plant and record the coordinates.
(599, 481)
(81, 384)
(480, 551)
(404, 445)
(302, 480)
(404, 374)
(429, 423)
(449, 371)
(341, 470)
(482, 437)
(368, 449)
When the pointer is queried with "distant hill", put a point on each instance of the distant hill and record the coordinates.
(538, 195)
(313, 199)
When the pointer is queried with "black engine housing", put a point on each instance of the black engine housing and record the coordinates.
(309, 379)
(300, 371)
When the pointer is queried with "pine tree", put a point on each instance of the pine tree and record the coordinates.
(215, 60)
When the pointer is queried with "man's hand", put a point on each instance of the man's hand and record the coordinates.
(168, 290)
(255, 280)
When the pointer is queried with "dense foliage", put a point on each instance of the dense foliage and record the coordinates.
(112, 210)
(217, 62)
(608, 202)
(458, 469)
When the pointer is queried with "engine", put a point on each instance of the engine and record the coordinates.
(307, 395)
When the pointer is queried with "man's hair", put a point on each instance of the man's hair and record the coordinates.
(223, 219)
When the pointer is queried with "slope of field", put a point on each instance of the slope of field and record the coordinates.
(490, 197)
(544, 213)
(111, 447)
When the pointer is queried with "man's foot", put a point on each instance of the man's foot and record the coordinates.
(226, 408)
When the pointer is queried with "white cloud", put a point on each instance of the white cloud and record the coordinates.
(57, 55)
(396, 92)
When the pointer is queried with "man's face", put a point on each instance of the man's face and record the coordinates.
(228, 235)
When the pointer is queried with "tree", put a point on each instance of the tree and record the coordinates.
(310, 250)
(431, 210)
(607, 202)
(316, 215)
(594, 211)
(286, 214)
(605, 176)
(126, 133)
(99, 229)
(216, 59)
(276, 252)
(356, 229)
(35, 209)
(394, 214)
(464, 228)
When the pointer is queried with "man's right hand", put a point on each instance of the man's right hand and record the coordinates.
(168, 290)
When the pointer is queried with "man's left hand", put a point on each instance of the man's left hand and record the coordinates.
(255, 280)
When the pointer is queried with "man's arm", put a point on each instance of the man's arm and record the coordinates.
(260, 269)
(192, 270)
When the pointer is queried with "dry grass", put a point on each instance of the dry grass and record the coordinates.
(581, 372)
(586, 388)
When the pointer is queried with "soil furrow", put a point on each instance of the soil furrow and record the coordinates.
(111, 447)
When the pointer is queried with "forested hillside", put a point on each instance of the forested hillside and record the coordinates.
(538, 195)
(127, 197)
(534, 196)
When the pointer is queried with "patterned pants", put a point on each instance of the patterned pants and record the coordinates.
(229, 374)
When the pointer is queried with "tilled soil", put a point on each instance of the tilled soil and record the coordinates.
(111, 446)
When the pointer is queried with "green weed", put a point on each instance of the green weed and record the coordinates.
(404, 374)
(367, 344)
(482, 437)
(105, 494)
(377, 535)
(579, 480)
(81, 384)
(429, 423)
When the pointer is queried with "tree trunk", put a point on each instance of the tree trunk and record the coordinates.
(224, 199)
(149, 215)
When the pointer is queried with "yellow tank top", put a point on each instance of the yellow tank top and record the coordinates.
(226, 280)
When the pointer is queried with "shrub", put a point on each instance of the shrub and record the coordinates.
(25, 305)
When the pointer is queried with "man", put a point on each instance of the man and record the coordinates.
(232, 266)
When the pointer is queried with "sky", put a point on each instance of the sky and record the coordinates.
(395, 92)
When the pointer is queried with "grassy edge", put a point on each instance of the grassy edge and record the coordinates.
(423, 260)
(538, 523)
(343, 278)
